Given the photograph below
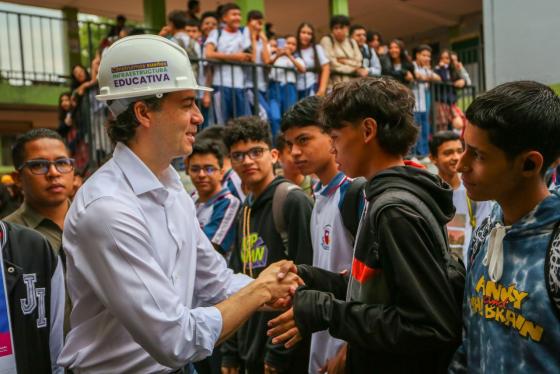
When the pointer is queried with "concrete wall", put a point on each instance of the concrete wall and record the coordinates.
(521, 41)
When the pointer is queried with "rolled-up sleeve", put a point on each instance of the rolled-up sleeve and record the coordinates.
(116, 257)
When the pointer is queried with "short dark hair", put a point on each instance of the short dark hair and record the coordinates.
(441, 137)
(123, 128)
(227, 7)
(387, 101)
(208, 15)
(121, 18)
(421, 48)
(178, 18)
(192, 4)
(280, 142)
(305, 112)
(357, 27)
(520, 116)
(191, 22)
(214, 134)
(371, 34)
(247, 129)
(18, 149)
(207, 147)
(339, 20)
(254, 14)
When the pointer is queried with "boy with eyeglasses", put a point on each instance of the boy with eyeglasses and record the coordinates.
(216, 207)
(261, 243)
(45, 173)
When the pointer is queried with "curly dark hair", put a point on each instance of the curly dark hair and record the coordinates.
(18, 149)
(387, 101)
(247, 129)
(123, 128)
(303, 113)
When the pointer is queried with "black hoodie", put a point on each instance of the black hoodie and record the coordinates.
(398, 317)
(250, 345)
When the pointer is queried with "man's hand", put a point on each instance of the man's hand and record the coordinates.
(280, 280)
(336, 364)
(227, 370)
(283, 328)
(362, 72)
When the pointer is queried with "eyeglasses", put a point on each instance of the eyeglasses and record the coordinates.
(208, 169)
(253, 153)
(42, 167)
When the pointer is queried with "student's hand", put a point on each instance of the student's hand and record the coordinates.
(283, 329)
(280, 280)
(243, 57)
(206, 100)
(408, 76)
(336, 364)
(165, 30)
(362, 72)
(270, 369)
(342, 60)
(227, 370)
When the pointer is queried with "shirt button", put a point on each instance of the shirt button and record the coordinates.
(11, 269)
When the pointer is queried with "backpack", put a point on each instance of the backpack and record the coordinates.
(552, 269)
(351, 205)
(452, 266)
(278, 202)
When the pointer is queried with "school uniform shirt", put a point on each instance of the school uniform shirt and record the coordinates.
(332, 250)
(232, 182)
(142, 276)
(217, 218)
(226, 75)
(247, 44)
(284, 76)
(309, 78)
(460, 228)
(421, 89)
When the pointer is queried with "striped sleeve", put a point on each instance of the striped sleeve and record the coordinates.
(220, 229)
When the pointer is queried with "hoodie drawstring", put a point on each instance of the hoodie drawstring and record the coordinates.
(494, 258)
(246, 252)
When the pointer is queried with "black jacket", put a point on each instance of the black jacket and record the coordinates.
(28, 255)
(387, 68)
(399, 318)
(250, 345)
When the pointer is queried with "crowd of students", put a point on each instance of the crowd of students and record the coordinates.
(397, 269)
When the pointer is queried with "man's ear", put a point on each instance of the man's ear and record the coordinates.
(369, 129)
(16, 176)
(531, 163)
(274, 155)
(142, 114)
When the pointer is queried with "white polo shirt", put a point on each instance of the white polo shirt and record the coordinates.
(141, 274)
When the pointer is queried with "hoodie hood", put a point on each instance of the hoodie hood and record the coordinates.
(265, 196)
(430, 188)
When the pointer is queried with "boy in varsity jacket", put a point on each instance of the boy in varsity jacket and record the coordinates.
(311, 149)
(512, 295)
(35, 286)
(263, 240)
(397, 310)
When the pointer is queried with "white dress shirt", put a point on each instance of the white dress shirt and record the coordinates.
(141, 274)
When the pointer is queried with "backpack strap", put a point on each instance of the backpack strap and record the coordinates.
(552, 269)
(278, 202)
(404, 197)
(351, 205)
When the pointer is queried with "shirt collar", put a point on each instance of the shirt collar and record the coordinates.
(141, 178)
(332, 186)
(31, 217)
(216, 197)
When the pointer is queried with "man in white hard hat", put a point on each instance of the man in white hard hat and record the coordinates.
(149, 292)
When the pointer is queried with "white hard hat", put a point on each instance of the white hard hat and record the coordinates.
(144, 65)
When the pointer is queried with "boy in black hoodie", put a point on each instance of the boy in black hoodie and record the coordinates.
(397, 309)
(260, 243)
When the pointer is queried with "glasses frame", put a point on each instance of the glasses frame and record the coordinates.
(260, 150)
(28, 164)
(203, 168)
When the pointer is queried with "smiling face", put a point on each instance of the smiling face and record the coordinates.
(305, 36)
(174, 126)
(311, 149)
(208, 24)
(51, 189)
(359, 35)
(291, 44)
(79, 74)
(394, 51)
(232, 18)
(447, 158)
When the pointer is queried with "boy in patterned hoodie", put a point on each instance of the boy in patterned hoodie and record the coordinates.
(512, 294)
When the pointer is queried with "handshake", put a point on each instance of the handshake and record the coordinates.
(279, 281)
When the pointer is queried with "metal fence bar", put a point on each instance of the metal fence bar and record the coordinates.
(22, 60)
